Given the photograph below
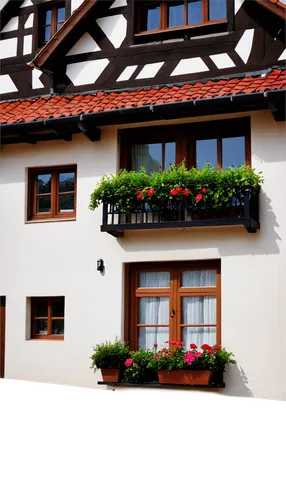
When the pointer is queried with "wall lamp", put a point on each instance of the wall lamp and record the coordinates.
(100, 265)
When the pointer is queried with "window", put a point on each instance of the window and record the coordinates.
(158, 16)
(47, 318)
(52, 193)
(222, 143)
(174, 301)
(50, 19)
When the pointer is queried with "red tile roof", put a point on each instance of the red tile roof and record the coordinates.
(57, 106)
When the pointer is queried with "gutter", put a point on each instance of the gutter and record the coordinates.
(208, 106)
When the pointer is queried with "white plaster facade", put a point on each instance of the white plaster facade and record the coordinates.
(59, 258)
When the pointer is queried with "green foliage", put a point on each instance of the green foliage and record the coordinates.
(109, 355)
(129, 189)
(137, 370)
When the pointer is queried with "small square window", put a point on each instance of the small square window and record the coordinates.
(47, 318)
(52, 193)
(50, 19)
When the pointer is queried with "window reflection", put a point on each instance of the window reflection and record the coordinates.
(150, 18)
(206, 152)
(195, 12)
(217, 9)
(150, 156)
(176, 15)
(233, 152)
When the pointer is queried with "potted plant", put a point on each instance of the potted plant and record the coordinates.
(136, 368)
(110, 357)
(189, 367)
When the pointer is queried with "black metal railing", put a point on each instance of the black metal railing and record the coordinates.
(242, 210)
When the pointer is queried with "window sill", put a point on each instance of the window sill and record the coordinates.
(181, 32)
(156, 385)
(60, 219)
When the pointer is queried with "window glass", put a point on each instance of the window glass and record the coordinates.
(66, 202)
(47, 34)
(44, 204)
(44, 183)
(57, 327)
(199, 335)
(206, 152)
(58, 308)
(151, 279)
(48, 17)
(199, 278)
(61, 15)
(148, 156)
(42, 310)
(47, 316)
(66, 181)
(150, 18)
(195, 12)
(170, 154)
(41, 327)
(176, 15)
(198, 310)
(217, 9)
(233, 152)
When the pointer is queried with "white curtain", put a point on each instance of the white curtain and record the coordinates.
(154, 279)
(199, 278)
(153, 311)
(199, 310)
(148, 156)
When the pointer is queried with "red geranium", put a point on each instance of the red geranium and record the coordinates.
(205, 347)
(150, 192)
(140, 196)
(218, 348)
(179, 190)
(173, 192)
(199, 197)
(155, 345)
(204, 190)
(193, 346)
(186, 192)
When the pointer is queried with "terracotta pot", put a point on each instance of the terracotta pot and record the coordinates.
(110, 374)
(184, 377)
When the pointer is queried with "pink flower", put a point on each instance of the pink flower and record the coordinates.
(134, 364)
(198, 354)
(155, 345)
(128, 362)
(198, 197)
(204, 190)
(170, 353)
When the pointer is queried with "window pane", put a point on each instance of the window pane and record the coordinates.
(233, 151)
(170, 154)
(217, 9)
(195, 12)
(42, 309)
(66, 202)
(206, 152)
(154, 279)
(48, 17)
(198, 310)
(47, 34)
(41, 327)
(43, 183)
(57, 326)
(153, 310)
(199, 335)
(176, 15)
(58, 308)
(198, 278)
(66, 182)
(44, 204)
(148, 156)
(61, 15)
(150, 335)
(150, 18)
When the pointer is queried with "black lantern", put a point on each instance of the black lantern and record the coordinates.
(100, 265)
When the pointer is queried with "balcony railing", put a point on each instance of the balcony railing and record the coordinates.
(242, 210)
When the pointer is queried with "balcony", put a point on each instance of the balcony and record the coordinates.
(241, 210)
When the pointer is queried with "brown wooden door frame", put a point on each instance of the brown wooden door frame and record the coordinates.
(2, 335)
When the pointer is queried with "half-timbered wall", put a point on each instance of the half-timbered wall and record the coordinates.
(100, 53)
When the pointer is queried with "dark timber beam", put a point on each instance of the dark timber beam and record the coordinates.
(89, 130)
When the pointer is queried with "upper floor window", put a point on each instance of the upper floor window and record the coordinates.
(157, 16)
(50, 19)
(223, 143)
(52, 193)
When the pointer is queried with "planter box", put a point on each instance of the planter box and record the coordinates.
(184, 377)
(110, 374)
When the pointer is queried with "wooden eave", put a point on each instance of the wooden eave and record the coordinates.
(276, 7)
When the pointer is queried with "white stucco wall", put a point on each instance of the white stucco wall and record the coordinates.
(59, 258)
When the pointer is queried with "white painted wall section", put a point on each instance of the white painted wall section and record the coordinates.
(8, 48)
(27, 47)
(283, 55)
(237, 5)
(12, 25)
(114, 27)
(118, 3)
(7, 85)
(75, 4)
(27, 3)
(84, 73)
(36, 82)
(244, 46)
(30, 22)
(222, 61)
(84, 45)
(127, 73)
(190, 65)
(149, 70)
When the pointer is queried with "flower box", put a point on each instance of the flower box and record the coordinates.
(110, 374)
(184, 377)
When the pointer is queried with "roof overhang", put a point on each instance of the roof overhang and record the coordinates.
(65, 127)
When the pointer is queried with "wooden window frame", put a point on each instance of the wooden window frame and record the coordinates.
(42, 9)
(34, 302)
(175, 292)
(2, 335)
(185, 137)
(135, 35)
(54, 214)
